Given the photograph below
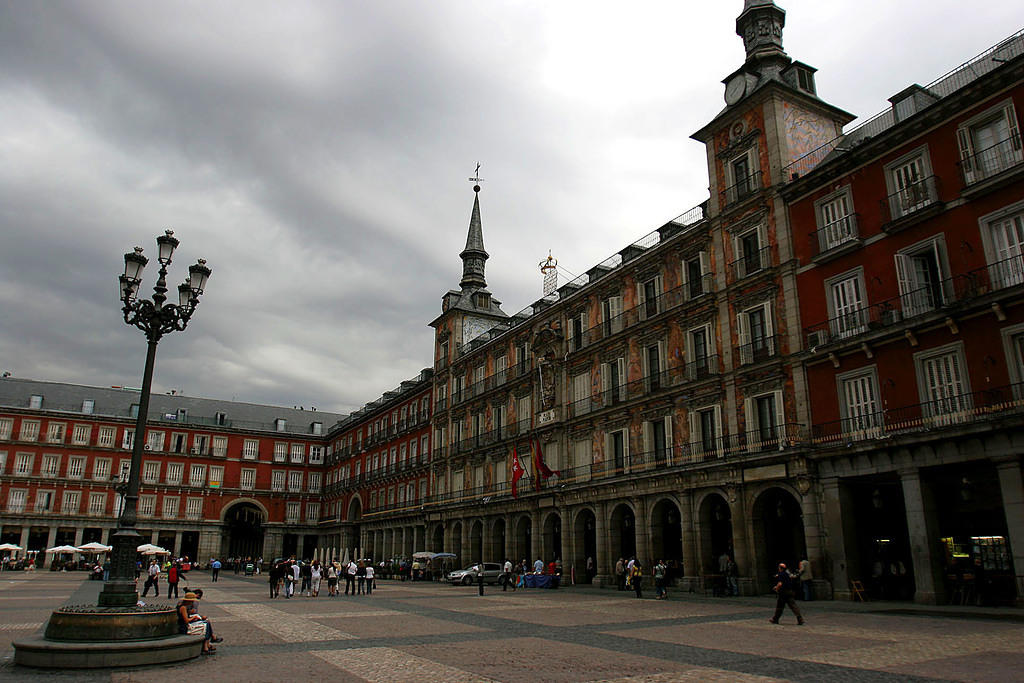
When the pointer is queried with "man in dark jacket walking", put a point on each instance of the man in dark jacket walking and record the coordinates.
(784, 590)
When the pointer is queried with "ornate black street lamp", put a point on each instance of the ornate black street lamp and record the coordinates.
(155, 318)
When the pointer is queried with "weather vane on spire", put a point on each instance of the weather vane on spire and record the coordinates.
(476, 179)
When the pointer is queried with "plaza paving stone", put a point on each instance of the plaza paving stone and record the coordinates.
(434, 632)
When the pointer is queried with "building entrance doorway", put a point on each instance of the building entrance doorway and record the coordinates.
(243, 525)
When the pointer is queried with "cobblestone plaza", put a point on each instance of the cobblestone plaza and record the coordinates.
(433, 632)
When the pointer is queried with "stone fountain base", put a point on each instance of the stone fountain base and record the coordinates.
(87, 637)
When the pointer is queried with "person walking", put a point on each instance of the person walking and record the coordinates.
(350, 578)
(660, 579)
(784, 591)
(361, 579)
(172, 581)
(806, 576)
(506, 575)
(215, 566)
(295, 576)
(369, 578)
(636, 578)
(315, 574)
(620, 574)
(307, 579)
(153, 579)
(332, 580)
(272, 578)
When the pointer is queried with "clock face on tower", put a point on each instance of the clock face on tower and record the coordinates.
(735, 88)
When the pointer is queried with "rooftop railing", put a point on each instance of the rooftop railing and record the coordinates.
(945, 85)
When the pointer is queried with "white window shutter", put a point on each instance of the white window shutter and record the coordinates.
(584, 326)
(750, 423)
(571, 334)
(904, 279)
(743, 337)
(780, 420)
(669, 443)
(641, 300)
(648, 436)
(662, 356)
(963, 139)
(684, 276)
(621, 363)
(606, 383)
(705, 264)
(693, 424)
(1012, 128)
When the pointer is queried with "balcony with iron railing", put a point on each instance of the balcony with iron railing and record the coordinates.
(950, 411)
(835, 238)
(743, 188)
(750, 263)
(905, 207)
(701, 368)
(655, 306)
(959, 290)
(992, 161)
(759, 350)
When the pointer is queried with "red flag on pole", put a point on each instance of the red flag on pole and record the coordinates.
(517, 470)
(538, 463)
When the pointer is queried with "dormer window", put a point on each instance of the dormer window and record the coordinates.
(87, 406)
(35, 402)
(805, 79)
(280, 424)
(317, 428)
(483, 300)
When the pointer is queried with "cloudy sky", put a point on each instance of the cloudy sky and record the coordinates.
(317, 155)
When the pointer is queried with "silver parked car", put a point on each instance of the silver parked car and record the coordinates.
(467, 576)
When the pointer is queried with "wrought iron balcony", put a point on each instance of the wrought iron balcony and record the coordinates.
(958, 290)
(743, 188)
(909, 201)
(836, 236)
(758, 350)
(954, 410)
(991, 161)
(751, 263)
(702, 367)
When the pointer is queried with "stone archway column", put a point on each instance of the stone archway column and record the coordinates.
(509, 538)
(1012, 488)
(836, 564)
(644, 551)
(569, 543)
(740, 546)
(604, 563)
(464, 543)
(536, 539)
(813, 540)
(920, 510)
(687, 523)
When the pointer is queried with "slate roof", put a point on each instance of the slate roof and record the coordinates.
(117, 402)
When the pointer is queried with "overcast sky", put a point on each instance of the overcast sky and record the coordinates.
(317, 155)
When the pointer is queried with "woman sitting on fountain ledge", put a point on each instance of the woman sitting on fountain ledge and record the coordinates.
(190, 622)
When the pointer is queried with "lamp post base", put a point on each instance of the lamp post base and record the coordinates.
(120, 589)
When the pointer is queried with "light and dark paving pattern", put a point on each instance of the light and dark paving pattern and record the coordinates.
(434, 632)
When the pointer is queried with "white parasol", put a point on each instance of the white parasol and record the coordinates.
(95, 547)
(150, 549)
(10, 546)
(62, 549)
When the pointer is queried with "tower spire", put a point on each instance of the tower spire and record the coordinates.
(474, 256)
(760, 26)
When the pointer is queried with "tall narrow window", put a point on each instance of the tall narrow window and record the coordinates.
(848, 312)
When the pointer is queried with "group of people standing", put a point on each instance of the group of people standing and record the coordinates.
(176, 571)
(630, 574)
(285, 575)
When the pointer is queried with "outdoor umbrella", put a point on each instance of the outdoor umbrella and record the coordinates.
(95, 547)
(61, 549)
(443, 556)
(10, 546)
(150, 549)
(423, 555)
